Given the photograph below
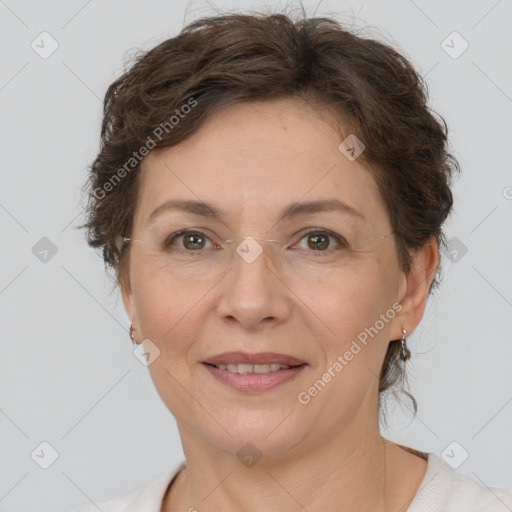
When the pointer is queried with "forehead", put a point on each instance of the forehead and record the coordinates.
(254, 159)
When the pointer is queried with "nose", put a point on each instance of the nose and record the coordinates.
(253, 293)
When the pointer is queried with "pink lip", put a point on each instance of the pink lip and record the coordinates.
(255, 382)
(260, 358)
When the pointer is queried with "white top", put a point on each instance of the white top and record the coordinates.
(442, 490)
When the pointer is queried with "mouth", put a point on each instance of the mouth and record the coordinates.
(249, 369)
(253, 373)
(256, 359)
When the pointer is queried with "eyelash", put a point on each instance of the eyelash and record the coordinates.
(338, 238)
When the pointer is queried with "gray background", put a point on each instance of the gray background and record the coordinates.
(67, 372)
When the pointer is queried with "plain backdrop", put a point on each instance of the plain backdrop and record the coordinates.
(68, 376)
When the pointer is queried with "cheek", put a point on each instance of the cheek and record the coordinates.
(355, 341)
(168, 316)
(356, 306)
(349, 298)
(160, 296)
(167, 312)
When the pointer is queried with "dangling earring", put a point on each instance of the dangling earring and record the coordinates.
(404, 351)
(131, 334)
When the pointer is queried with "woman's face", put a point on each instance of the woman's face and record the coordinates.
(252, 161)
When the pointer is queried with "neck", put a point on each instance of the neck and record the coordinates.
(337, 476)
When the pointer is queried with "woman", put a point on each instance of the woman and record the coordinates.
(270, 194)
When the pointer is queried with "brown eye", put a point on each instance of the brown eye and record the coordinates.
(321, 242)
(193, 241)
(318, 241)
(186, 241)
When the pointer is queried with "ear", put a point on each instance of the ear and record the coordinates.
(417, 283)
(128, 300)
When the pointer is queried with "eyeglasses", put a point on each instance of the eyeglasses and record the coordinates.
(199, 254)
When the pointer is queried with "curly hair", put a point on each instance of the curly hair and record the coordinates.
(237, 58)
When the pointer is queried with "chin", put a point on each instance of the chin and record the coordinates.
(258, 435)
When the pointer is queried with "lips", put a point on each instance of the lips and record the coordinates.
(259, 358)
(254, 383)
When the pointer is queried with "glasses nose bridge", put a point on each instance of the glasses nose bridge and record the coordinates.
(250, 248)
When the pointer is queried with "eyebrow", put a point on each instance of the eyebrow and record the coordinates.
(293, 210)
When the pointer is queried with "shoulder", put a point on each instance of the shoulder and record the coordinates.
(445, 490)
(148, 497)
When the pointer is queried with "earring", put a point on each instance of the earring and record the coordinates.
(131, 334)
(404, 351)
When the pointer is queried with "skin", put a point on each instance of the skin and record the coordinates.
(252, 160)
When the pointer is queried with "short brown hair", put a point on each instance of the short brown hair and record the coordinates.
(235, 58)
